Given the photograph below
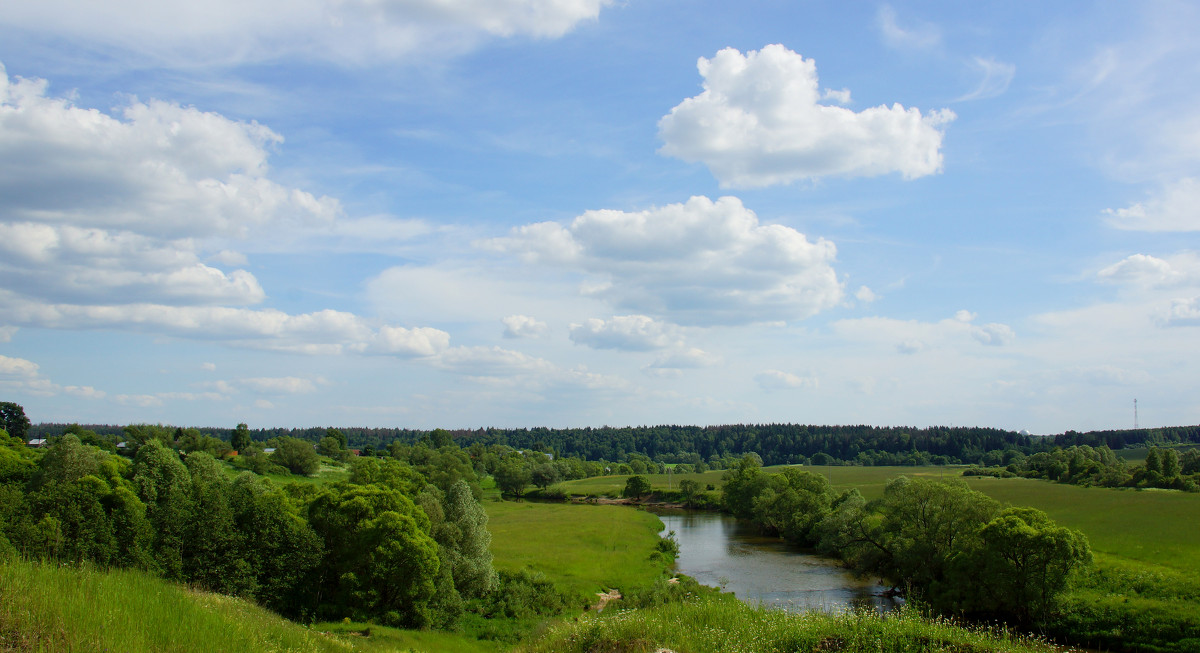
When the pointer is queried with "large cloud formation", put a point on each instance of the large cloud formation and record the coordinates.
(700, 262)
(104, 223)
(231, 31)
(760, 121)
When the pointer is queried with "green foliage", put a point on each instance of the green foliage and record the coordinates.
(523, 594)
(330, 447)
(297, 456)
(211, 559)
(381, 560)
(137, 435)
(742, 483)
(690, 490)
(240, 440)
(162, 482)
(636, 487)
(924, 524)
(792, 504)
(1022, 564)
(68, 460)
(465, 542)
(544, 475)
(512, 476)
(13, 420)
(277, 545)
(387, 472)
(191, 440)
(442, 467)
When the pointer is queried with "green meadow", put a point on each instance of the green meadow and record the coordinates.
(584, 549)
(1154, 526)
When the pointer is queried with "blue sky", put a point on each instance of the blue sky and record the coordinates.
(467, 213)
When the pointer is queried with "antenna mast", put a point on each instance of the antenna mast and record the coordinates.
(1135, 424)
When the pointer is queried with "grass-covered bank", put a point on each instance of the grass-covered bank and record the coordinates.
(721, 623)
(45, 607)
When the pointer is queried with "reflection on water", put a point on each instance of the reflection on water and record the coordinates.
(718, 551)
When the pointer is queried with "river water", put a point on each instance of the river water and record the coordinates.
(718, 551)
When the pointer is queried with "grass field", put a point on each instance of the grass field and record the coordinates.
(584, 549)
(1155, 526)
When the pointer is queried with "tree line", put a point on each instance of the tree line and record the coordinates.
(708, 445)
(1164, 468)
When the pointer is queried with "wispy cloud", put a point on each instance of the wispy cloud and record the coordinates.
(995, 78)
(917, 36)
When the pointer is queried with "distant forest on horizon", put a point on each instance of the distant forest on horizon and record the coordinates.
(774, 443)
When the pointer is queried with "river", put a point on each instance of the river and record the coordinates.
(718, 551)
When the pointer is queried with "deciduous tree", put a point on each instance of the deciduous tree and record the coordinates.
(636, 487)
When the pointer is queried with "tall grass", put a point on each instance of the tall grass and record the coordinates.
(722, 624)
(54, 609)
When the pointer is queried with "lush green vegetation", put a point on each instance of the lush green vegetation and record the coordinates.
(390, 544)
(1164, 468)
(1141, 592)
(937, 541)
(722, 624)
(399, 536)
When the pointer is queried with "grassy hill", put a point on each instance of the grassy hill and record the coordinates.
(44, 607)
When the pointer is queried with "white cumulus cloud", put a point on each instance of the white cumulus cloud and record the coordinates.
(523, 326)
(701, 262)
(101, 217)
(760, 122)
(17, 367)
(103, 208)
(1146, 271)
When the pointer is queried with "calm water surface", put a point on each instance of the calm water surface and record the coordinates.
(718, 551)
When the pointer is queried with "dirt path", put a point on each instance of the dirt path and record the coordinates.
(605, 597)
